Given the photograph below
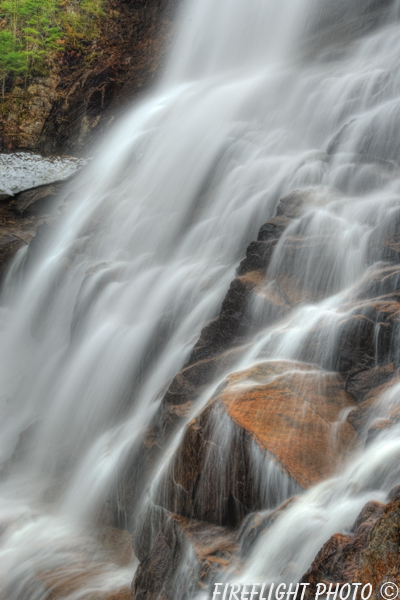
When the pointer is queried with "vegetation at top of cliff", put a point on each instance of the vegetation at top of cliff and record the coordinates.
(34, 32)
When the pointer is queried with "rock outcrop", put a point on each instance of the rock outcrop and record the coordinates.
(28, 217)
(81, 96)
(287, 422)
(370, 554)
(287, 413)
(271, 430)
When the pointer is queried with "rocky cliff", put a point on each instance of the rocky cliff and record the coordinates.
(268, 432)
(79, 96)
(278, 421)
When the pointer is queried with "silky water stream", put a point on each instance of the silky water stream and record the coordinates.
(259, 98)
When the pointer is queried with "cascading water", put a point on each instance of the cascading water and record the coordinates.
(259, 99)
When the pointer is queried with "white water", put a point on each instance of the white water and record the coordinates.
(92, 336)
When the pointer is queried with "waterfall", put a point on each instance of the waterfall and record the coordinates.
(259, 98)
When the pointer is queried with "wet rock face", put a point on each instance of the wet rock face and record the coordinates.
(17, 231)
(29, 187)
(27, 220)
(256, 524)
(279, 425)
(358, 345)
(184, 555)
(250, 420)
(201, 483)
(223, 340)
(370, 554)
(232, 327)
(157, 575)
(299, 404)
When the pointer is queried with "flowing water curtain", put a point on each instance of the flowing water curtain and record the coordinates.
(255, 103)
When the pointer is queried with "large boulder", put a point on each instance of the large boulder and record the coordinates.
(284, 415)
(280, 426)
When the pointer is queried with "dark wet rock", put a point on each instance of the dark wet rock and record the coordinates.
(150, 522)
(40, 242)
(198, 490)
(231, 327)
(15, 233)
(258, 256)
(212, 476)
(189, 384)
(219, 347)
(356, 349)
(259, 253)
(28, 219)
(193, 485)
(376, 428)
(25, 200)
(372, 408)
(359, 385)
(381, 282)
(273, 229)
(357, 343)
(184, 554)
(256, 524)
(7, 252)
(368, 516)
(370, 554)
(291, 206)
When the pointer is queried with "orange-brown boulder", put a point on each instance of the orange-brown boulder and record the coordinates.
(291, 411)
(283, 415)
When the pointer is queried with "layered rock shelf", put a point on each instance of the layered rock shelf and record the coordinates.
(30, 186)
(291, 422)
(271, 429)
